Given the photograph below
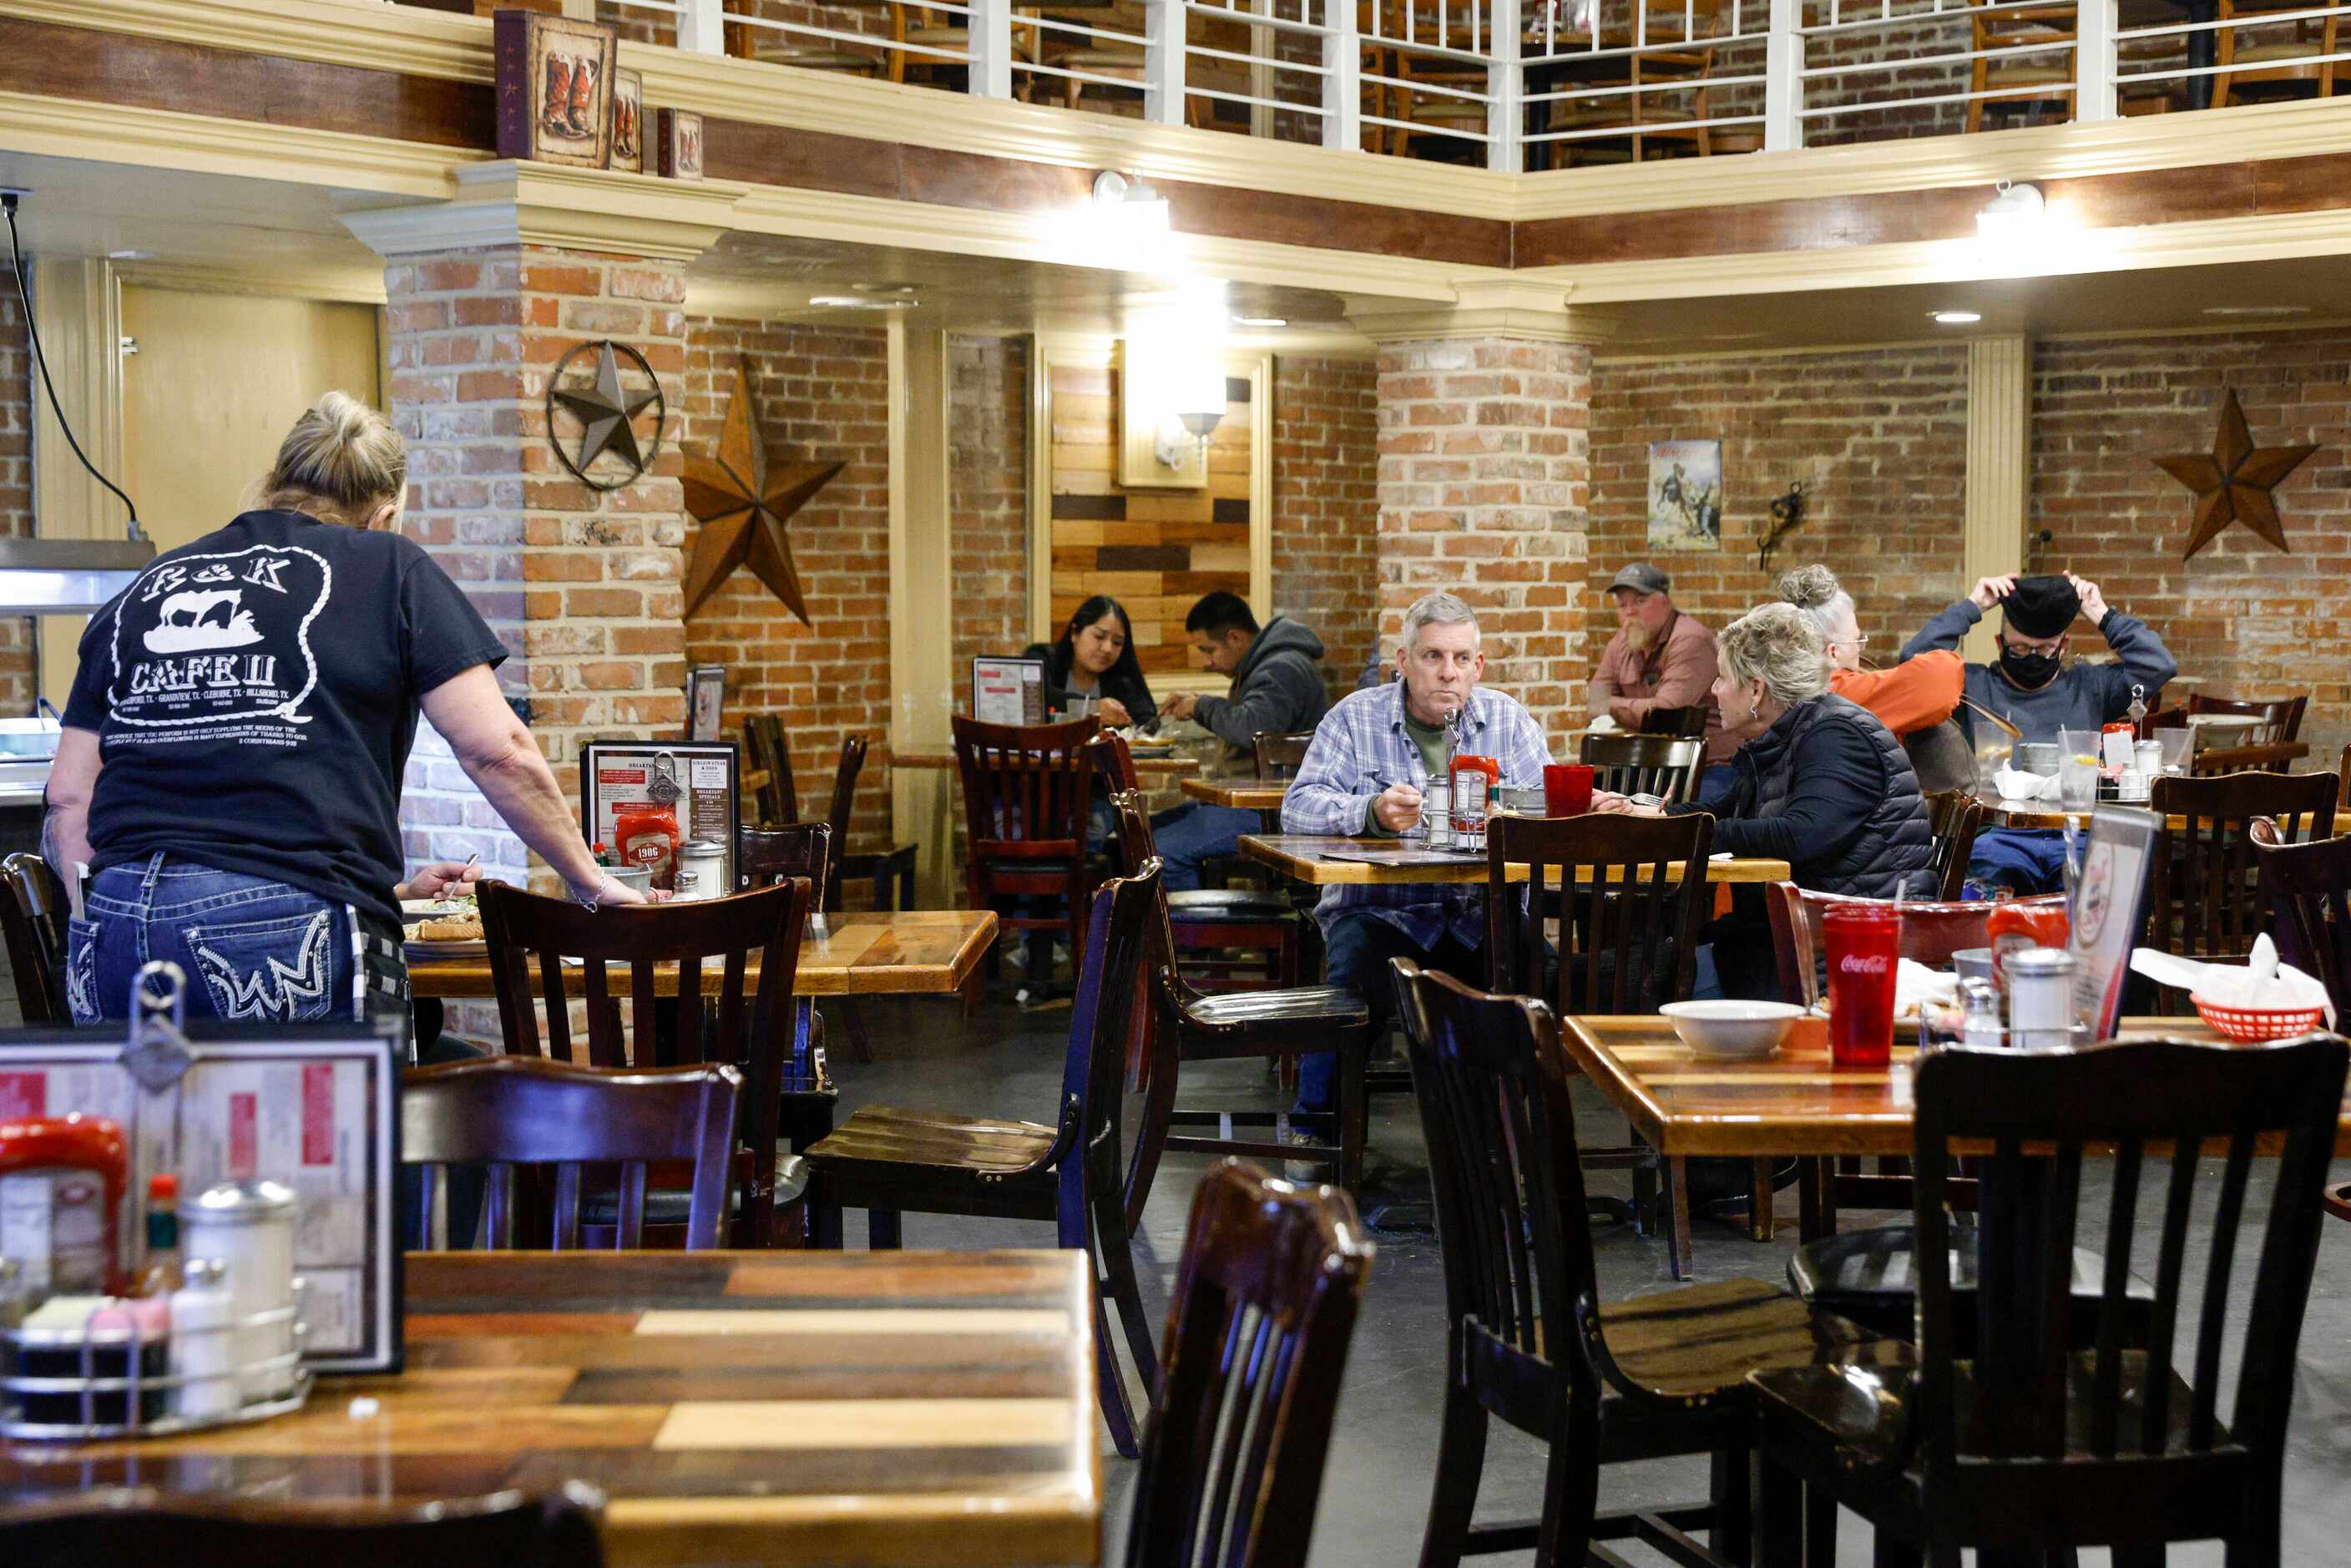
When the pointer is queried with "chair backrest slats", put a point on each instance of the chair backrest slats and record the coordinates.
(754, 1026)
(1492, 1079)
(1024, 788)
(1279, 753)
(1264, 1306)
(763, 737)
(510, 1110)
(1662, 765)
(2039, 1113)
(1628, 941)
(33, 913)
(1954, 817)
(2206, 899)
(2280, 717)
(2309, 887)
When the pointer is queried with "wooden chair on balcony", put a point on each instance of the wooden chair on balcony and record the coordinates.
(941, 54)
(1677, 56)
(746, 41)
(2034, 83)
(2275, 67)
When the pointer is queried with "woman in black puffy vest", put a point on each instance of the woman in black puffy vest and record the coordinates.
(1825, 788)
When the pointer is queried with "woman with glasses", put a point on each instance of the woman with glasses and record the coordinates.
(1918, 694)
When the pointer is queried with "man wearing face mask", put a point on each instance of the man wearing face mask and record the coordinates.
(2030, 686)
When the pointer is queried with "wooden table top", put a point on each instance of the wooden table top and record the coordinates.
(1791, 1103)
(1242, 794)
(849, 1407)
(864, 953)
(945, 762)
(1999, 813)
(1304, 857)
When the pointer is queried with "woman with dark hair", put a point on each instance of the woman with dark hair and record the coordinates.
(1096, 658)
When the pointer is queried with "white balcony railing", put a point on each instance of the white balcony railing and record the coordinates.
(1516, 84)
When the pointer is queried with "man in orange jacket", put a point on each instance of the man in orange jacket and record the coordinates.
(1918, 694)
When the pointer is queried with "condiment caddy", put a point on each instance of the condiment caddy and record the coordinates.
(104, 1331)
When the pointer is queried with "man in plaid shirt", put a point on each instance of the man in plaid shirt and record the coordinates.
(1364, 775)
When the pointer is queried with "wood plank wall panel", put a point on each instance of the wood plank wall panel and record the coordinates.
(1154, 551)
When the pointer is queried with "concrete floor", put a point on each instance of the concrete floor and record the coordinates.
(1375, 1493)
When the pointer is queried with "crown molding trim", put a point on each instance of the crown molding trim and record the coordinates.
(509, 203)
(1515, 306)
(338, 286)
(197, 143)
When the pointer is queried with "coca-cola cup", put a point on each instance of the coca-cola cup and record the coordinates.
(1864, 940)
(1567, 789)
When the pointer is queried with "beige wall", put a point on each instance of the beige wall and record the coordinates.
(215, 382)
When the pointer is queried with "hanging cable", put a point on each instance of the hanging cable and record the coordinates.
(33, 335)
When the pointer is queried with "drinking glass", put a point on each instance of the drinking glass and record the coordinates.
(2077, 781)
(1567, 789)
(1864, 943)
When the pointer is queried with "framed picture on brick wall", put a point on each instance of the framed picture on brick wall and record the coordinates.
(678, 143)
(628, 122)
(554, 89)
(1685, 494)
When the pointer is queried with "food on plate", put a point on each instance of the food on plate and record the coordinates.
(454, 928)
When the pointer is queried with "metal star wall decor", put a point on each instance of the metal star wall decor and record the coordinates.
(606, 413)
(2233, 485)
(743, 506)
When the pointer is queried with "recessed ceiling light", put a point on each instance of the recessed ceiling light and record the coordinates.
(2257, 310)
(1260, 320)
(881, 288)
(129, 255)
(861, 302)
(1958, 317)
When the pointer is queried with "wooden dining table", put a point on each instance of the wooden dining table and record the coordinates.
(1315, 860)
(2001, 813)
(1240, 794)
(843, 1408)
(860, 953)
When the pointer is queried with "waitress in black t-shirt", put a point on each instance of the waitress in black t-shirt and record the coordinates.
(234, 747)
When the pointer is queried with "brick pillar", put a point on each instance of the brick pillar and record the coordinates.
(581, 585)
(1485, 474)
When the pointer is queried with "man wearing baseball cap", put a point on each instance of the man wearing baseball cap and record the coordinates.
(1658, 658)
(2030, 686)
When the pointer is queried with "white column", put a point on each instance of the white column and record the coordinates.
(921, 600)
(1162, 62)
(2095, 61)
(1783, 89)
(1999, 412)
(991, 48)
(1504, 115)
(702, 26)
(1342, 88)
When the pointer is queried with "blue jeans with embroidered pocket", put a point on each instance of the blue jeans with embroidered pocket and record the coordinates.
(253, 950)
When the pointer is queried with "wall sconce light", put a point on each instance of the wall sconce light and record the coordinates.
(1195, 410)
(1129, 210)
(2015, 216)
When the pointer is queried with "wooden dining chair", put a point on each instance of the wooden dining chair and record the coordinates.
(1185, 1024)
(1279, 753)
(2017, 1440)
(519, 1111)
(2205, 899)
(764, 857)
(1267, 1290)
(1531, 1341)
(2022, 59)
(1227, 939)
(1954, 817)
(2279, 718)
(763, 742)
(33, 913)
(888, 1160)
(1664, 102)
(1682, 721)
(891, 871)
(1663, 765)
(1628, 943)
(531, 939)
(2309, 890)
(1026, 793)
(2276, 66)
(506, 1529)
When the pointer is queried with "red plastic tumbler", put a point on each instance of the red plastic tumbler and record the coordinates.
(1864, 942)
(1567, 789)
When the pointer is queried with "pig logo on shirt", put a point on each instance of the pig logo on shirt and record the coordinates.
(210, 647)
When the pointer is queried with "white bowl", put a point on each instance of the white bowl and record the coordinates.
(1731, 1029)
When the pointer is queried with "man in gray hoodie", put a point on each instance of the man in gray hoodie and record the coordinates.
(1277, 688)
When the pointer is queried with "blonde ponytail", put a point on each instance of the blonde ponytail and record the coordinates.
(341, 461)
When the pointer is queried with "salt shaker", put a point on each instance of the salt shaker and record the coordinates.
(203, 1343)
(249, 1227)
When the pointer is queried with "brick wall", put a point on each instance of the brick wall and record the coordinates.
(988, 495)
(1484, 474)
(1877, 437)
(821, 395)
(2252, 621)
(583, 585)
(16, 671)
(1326, 506)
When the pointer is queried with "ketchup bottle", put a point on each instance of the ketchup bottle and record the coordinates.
(2013, 926)
(646, 836)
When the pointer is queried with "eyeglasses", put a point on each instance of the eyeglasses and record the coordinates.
(1859, 639)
